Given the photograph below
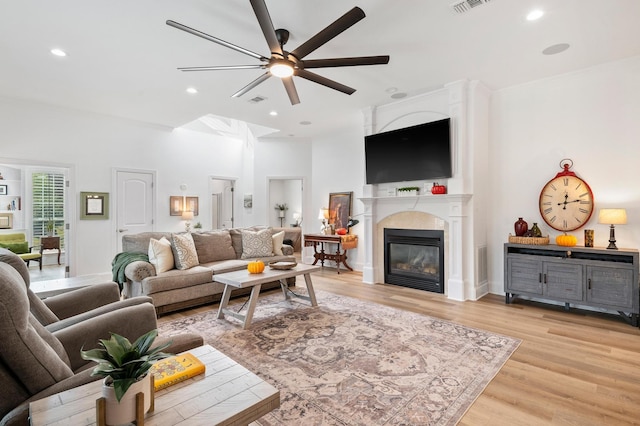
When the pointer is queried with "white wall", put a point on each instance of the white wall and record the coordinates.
(589, 116)
(93, 145)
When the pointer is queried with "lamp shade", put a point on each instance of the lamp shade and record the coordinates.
(323, 214)
(612, 216)
(187, 215)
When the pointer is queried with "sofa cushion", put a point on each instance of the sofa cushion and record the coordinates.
(212, 246)
(278, 240)
(175, 279)
(256, 244)
(17, 248)
(184, 251)
(161, 254)
(236, 238)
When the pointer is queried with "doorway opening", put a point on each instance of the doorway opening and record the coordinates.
(222, 201)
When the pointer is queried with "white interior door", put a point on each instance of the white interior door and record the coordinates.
(222, 203)
(134, 203)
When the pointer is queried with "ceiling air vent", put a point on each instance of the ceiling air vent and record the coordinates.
(257, 99)
(467, 5)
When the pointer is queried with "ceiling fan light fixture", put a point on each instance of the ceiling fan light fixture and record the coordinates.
(281, 69)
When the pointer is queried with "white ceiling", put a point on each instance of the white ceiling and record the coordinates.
(122, 57)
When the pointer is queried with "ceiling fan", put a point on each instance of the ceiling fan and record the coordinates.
(284, 64)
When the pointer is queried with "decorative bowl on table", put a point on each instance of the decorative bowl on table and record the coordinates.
(283, 265)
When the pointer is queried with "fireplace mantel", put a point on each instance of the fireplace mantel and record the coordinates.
(451, 208)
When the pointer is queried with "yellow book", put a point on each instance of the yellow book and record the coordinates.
(175, 369)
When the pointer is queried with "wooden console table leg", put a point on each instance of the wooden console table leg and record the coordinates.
(344, 261)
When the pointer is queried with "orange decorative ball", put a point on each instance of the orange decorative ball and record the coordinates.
(255, 267)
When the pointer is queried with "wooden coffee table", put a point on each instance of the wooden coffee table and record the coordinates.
(243, 279)
(226, 394)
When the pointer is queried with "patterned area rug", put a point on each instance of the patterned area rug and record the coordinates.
(350, 362)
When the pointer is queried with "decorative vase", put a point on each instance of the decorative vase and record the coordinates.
(281, 214)
(123, 412)
(521, 227)
(535, 231)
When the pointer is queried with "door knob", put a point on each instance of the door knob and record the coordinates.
(122, 230)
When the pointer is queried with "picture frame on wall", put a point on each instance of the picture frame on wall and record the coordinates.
(175, 205)
(192, 205)
(94, 205)
(340, 208)
(3, 190)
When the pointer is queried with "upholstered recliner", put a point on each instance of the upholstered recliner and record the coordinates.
(69, 308)
(35, 362)
(18, 244)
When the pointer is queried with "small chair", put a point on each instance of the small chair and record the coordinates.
(18, 244)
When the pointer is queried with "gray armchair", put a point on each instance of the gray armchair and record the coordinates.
(60, 311)
(36, 362)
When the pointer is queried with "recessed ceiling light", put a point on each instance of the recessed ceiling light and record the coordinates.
(399, 95)
(305, 123)
(192, 90)
(273, 113)
(58, 52)
(534, 15)
(556, 48)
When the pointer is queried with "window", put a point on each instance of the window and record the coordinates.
(47, 205)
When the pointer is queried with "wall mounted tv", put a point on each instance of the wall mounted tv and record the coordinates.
(421, 152)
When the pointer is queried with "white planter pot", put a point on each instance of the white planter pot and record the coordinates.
(122, 412)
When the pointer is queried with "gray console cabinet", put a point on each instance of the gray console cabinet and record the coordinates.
(584, 276)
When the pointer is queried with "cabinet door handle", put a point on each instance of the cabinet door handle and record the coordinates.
(589, 284)
(540, 277)
(545, 278)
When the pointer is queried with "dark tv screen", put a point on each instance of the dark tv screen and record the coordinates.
(419, 152)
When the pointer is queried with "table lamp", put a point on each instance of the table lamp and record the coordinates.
(187, 216)
(323, 215)
(612, 217)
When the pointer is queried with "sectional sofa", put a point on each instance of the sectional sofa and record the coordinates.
(186, 279)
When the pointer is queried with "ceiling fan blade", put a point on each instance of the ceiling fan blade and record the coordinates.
(325, 81)
(262, 13)
(337, 27)
(345, 62)
(223, 67)
(291, 90)
(251, 85)
(216, 40)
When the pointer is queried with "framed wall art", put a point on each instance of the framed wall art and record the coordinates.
(94, 205)
(191, 204)
(3, 189)
(175, 205)
(340, 208)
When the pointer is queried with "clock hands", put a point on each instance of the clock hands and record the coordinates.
(565, 202)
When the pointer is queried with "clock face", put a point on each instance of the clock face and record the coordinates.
(566, 203)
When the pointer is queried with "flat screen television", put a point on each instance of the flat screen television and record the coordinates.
(421, 152)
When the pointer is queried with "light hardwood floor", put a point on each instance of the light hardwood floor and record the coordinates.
(572, 368)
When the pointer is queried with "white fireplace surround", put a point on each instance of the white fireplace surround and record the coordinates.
(439, 212)
(461, 213)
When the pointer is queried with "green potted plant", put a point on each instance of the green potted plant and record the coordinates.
(408, 191)
(282, 208)
(197, 227)
(124, 366)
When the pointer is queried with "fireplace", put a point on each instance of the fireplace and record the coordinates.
(414, 258)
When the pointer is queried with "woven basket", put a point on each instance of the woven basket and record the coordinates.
(537, 241)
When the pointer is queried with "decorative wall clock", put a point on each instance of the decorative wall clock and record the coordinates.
(566, 201)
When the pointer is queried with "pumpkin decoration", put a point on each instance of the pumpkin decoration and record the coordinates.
(438, 189)
(255, 267)
(566, 240)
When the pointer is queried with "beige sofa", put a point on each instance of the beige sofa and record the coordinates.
(217, 252)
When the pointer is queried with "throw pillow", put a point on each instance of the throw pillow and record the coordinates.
(184, 251)
(214, 245)
(17, 248)
(161, 255)
(278, 240)
(256, 244)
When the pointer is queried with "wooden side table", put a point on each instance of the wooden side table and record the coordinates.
(50, 243)
(343, 242)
